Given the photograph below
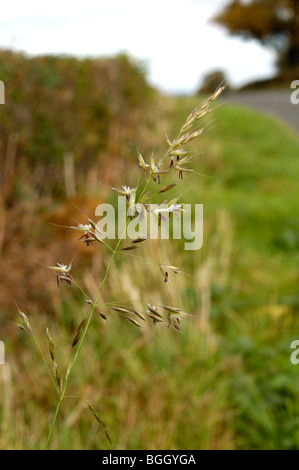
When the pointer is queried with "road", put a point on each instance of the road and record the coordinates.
(277, 103)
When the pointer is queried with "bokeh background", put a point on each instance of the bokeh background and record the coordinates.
(86, 87)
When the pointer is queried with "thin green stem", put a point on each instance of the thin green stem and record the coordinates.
(46, 364)
(53, 422)
(145, 188)
(80, 288)
(62, 396)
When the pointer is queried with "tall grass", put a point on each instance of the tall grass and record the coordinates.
(225, 380)
(138, 201)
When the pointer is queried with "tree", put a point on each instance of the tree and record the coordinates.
(212, 80)
(274, 23)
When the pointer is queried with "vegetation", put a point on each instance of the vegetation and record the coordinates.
(211, 81)
(225, 381)
(63, 112)
(274, 23)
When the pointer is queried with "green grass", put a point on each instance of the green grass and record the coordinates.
(253, 163)
(223, 383)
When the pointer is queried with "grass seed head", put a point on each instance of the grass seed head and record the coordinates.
(120, 309)
(50, 343)
(141, 162)
(57, 374)
(154, 311)
(167, 188)
(135, 322)
(80, 330)
(138, 314)
(25, 320)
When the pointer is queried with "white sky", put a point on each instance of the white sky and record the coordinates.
(173, 37)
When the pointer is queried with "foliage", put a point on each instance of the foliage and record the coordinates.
(273, 23)
(212, 80)
(225, 381)
(60, 105)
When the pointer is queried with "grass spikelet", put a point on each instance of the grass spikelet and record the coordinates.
(25, 319)
(57, 374)
(135, 322)
(172, 309)
(154, 318)
(139, 315)
(103, 316)
(101, 422)
(52, 355)
(21, 327)
(154, 311)
(140, 240)
(120, 309)
(167, 188)
(130, 247)
(50, 343)
(80, 330)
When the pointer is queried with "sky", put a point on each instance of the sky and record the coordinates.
(174, 39)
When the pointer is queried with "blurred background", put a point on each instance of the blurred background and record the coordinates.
(86, 87)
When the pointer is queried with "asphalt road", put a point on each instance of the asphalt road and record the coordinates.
(277, 103)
